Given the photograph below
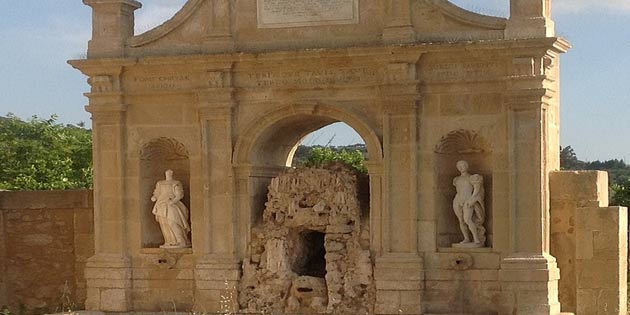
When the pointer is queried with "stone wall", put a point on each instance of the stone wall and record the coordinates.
(590, 242)
(45, 239)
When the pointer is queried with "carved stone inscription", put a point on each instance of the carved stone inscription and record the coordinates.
(160, 82)
(294, 13)
(462, 71)
(307, 77)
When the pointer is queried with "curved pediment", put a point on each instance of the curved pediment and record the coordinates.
(165, 28)
(468, 17)
(207, 26)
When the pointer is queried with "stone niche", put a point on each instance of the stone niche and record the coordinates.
(156, 157)
(310, 253)
(455, 146)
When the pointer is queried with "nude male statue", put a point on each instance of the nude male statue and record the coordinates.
(171, 213)
(469, 207)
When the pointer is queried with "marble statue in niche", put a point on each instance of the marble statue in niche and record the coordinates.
(469, 206)
(171, 213)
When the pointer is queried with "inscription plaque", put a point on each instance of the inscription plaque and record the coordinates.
(295, 13)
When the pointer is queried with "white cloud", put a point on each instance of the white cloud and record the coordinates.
(156, 12)
(578, 6)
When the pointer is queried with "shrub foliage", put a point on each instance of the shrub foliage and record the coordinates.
(41, 154)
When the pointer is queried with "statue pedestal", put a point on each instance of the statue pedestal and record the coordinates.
(468, 245)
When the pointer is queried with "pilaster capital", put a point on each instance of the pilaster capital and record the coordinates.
(215, 111)
(528, 99)
(211, 96)
(399, 91)
(401, 106)
(108, 114)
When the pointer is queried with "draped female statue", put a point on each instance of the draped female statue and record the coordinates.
(171, 213)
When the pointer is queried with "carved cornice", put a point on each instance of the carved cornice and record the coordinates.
(217, 111)
(131, 3)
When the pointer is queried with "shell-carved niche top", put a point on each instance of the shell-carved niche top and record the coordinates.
(462, 141)
(313, 198)
(164, 149)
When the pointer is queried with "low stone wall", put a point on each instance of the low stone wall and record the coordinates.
(589, 240)
(45, 239)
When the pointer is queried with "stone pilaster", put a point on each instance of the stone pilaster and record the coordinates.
(530, 19)
(529, 275)
(108, 272)
(398, 270)
(112, 24)
(375, 171)
(399, 28)
(217, 271)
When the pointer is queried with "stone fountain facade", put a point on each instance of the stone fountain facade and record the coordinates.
(223, 92)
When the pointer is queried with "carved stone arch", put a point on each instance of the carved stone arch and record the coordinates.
(262, 148)
(462, 141)
(157, 156)
(319, 114)
(468, 145)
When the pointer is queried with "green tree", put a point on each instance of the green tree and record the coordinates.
(569, 160)
(41, 154)
(322, 155)
(618, 173)
(621, 193)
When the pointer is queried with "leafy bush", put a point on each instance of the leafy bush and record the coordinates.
(41, 154)
(319, 156)
(621, 193)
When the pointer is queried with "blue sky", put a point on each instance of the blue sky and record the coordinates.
(38, 36)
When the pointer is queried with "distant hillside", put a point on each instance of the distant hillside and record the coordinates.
(618, 170)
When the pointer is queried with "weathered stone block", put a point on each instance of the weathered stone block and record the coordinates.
(114, 300)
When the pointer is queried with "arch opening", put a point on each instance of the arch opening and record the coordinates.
(309, 254)
(308, 225)
(286, 143)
